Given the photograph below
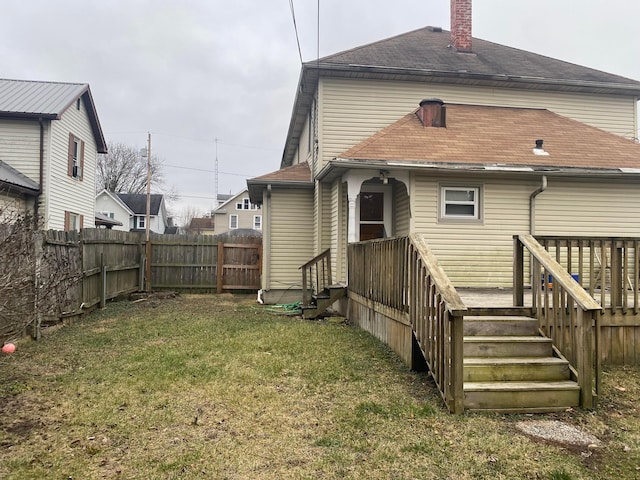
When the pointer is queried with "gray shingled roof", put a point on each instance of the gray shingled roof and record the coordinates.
(49, 100)
(428, 49)
(10, 178)
(137, 202)
(424, 55)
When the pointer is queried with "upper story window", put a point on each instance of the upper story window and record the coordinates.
(460, 203)
(75, 165)
(245, 204)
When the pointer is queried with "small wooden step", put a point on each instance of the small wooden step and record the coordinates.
(515, 369)
(521, 396)
(502, 325)
(507, 346)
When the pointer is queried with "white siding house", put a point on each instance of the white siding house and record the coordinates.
(131, 210)
(50, 133)
(438, 141)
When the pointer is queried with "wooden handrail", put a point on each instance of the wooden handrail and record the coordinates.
(565, 311)
(402, 274)
(321, 265)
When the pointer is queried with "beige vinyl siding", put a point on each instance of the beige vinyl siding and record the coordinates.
(474, 254)
(291, 236)
(606, 208)
(20, 146)
(339, 216)
(353, 110)
(401, 212)
(325, 232)
(64, 193)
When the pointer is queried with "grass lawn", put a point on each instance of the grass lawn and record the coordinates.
(215, 387)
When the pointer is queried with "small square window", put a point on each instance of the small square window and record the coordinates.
(459, 202)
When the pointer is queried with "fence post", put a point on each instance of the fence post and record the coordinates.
(220, 268)
(37, 309)
(103, 278)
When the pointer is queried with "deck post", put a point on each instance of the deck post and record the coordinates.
(518, 272)
(457, 360)
(584, 357)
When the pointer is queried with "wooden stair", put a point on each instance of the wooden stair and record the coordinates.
(321, 301)
(510, 367)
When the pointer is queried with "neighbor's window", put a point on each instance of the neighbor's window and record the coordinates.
(460, 202)
(75, 163)
(233, 221)
(257, 222)
(142, 221)
(72, 221)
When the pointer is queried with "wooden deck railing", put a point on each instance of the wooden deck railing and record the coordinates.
(566, 313)
(608, 268)
(316, 275)
(403, 274)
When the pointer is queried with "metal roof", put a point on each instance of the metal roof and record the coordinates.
(10, 178)
(49, 100)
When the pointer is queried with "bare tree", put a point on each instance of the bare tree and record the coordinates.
(187, 214)
(124, 170)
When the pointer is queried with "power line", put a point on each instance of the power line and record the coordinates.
(206, 170)
(295, 27)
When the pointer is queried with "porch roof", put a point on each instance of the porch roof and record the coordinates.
(296, 176)
(498, 138)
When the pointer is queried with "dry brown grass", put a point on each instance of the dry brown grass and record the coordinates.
(215, 387)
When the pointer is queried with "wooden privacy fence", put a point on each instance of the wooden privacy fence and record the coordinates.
(401, 280)
(101, 264)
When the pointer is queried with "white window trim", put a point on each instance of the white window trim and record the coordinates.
(231, 218)
(142, 219)
(259, 224)
(476, 203)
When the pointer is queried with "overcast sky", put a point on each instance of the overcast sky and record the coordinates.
(193, 71)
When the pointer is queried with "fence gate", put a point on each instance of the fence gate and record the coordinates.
(239, 265)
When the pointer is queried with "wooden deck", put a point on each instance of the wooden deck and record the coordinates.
(490, 297)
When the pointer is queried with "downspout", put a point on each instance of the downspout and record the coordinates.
(266, 248)
(36, 206)
(532, 205)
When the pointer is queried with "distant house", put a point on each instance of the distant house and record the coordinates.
(131, 210)
(201, 226)
(237, 213)
(50, 137)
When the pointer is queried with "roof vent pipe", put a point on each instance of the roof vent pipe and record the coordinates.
(432, 113)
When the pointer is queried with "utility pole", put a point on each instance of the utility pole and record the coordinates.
(215, 180)
(148, 219)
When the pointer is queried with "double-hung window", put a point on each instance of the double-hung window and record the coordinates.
(75, 160)
(460, 203)
(257, 222)
(233, 221)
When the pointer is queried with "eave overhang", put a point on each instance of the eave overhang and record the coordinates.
(257, 186)
(337, 167)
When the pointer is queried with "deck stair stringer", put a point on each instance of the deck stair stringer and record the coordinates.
(321, 301)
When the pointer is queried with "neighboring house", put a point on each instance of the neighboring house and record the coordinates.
(18, 193)
(131, 210)
(365, 157)
(237, 213)
(201, 226)
(51, 136)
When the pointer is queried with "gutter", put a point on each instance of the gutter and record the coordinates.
(532, 205)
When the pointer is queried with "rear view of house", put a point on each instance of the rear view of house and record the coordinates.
(50, 135)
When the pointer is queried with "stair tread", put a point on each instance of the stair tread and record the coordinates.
(515, 360)
(524, 386)
(496, 318)
(506, 338)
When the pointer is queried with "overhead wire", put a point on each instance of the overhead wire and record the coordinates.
(295, 28)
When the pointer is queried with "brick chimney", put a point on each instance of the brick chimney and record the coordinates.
(432, 113)
(461, 25)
